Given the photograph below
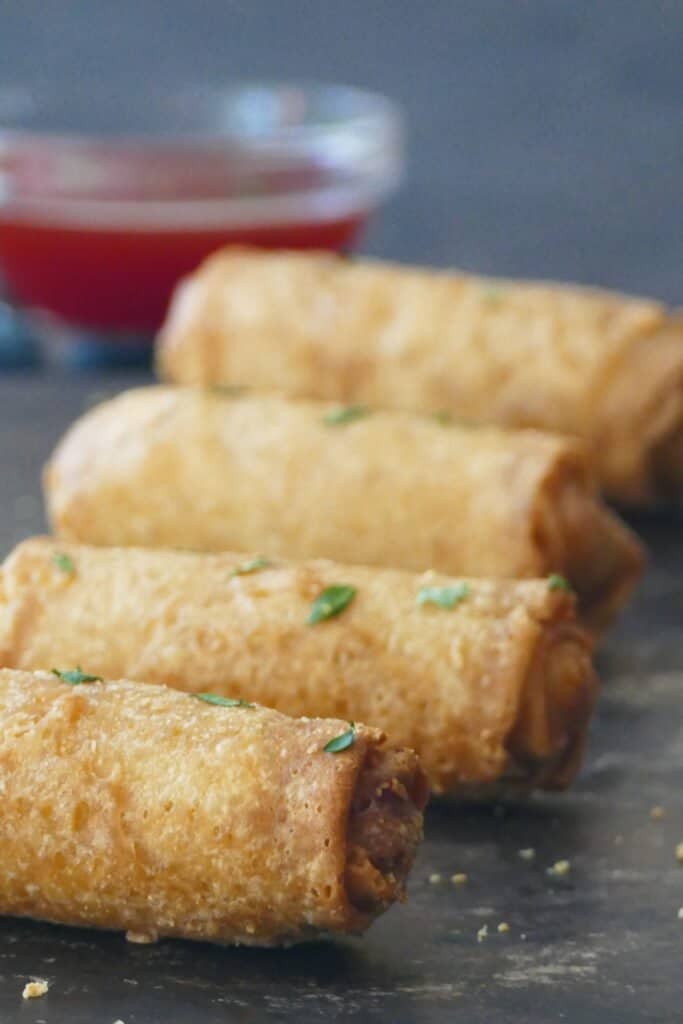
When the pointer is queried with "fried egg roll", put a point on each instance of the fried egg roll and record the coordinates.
(198, 470)
(597, 365)
(490, 681)
(138, 808)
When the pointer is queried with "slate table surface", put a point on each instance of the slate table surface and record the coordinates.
(603, 943)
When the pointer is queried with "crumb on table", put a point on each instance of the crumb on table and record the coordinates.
(679, 853)
(560, 868)
(482, 933)
(34, 989)
(460, 878)
(526, 854)
(142, 938)
(503, 927)
(435, 878)
(656, 812)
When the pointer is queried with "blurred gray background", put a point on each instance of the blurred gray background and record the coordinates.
(545, 137)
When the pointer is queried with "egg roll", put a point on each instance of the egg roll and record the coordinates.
(490, 681)
(199, 470)
(138, 808)
(598, 365)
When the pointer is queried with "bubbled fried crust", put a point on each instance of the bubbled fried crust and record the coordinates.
(450, 684)
(139, 808)
(206, 472)
(595, 364)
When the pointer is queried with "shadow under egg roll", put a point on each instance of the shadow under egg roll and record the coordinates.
(598, 365)
(187, 469)
(490, 681)
(137, 808)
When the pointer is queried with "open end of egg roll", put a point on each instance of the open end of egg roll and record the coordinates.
(640, 443)
(603, 558)
(384, 828)
(546, 742)
(666, 460)
(584, 540)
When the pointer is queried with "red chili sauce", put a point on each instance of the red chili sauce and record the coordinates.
(122, 278)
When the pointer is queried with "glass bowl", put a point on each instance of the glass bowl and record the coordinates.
(107, 199)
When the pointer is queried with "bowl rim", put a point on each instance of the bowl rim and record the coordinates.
(375, 111)
(373, 162)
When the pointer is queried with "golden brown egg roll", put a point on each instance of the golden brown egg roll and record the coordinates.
(198, 470)
(139, 808)
(598, 365)
(494, 691)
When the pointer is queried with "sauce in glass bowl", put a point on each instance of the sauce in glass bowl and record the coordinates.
(105, 203)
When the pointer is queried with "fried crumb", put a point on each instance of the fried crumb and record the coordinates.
(656, 812)
(561, 868)
(459, 879)
(35, 989)
(503, 927)
(482, 933)
(142, 938)
(527, 854)
(435, 878)
(679, 853)
(680, 913)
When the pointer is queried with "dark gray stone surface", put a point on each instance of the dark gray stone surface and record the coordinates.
(602, 944)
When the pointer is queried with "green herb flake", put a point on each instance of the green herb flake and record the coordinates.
(557, 582)
(223, 702)
(341, 742)
(345, 414)
(443, 597)
(63, 562)
(444, 418)
(253, 565)
(76, 676)
(447, 419)
(331, 602)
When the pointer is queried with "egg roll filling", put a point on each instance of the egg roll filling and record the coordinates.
(546, 741)
(384, 828)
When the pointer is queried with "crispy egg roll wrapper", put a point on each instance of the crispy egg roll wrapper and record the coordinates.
(187, 469)
(497, 690)
(135, 807)
(598, 365)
